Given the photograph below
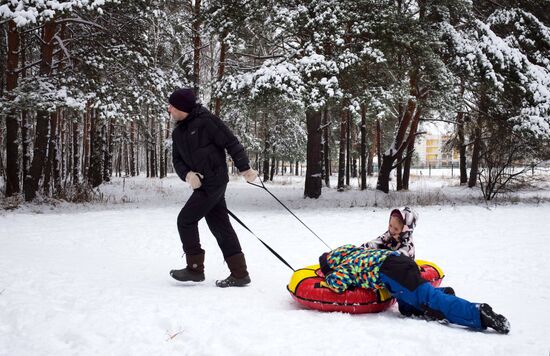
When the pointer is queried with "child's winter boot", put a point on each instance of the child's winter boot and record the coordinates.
(490, 319)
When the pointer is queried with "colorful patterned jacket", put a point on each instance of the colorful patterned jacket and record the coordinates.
(351, 265)
(404, 244)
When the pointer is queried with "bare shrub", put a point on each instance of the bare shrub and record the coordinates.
(79, 193)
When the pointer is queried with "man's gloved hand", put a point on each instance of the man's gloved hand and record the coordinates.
(193, 179)
(250, 175)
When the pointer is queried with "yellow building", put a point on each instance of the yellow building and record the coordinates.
(431, 151)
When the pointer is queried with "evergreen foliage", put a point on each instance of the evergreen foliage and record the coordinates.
(84, 85)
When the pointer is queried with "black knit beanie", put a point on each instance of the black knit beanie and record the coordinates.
(183, 99)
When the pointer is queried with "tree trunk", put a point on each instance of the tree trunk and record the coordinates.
(474, 169)
(126, 158)
(371, 149)
(155, 167)
(68, 148)
(59, 161)
(370, 169)
(54, 152)
(323, 146)
(51, 153)
(162, 172)
(267, 147)
(137, 152)
(196, 46)
(265, 164)
(476, 153)
(410, 149)
(378, 144)
(109, 151)
(342, 155)
(76, 153)
(412, 113)
(313, 168)
(398, 168)
(118, 161)
(221, 71)
(153, 148)
(42, 122)
(326, 149)
(2, 167)
(407, 167)
(348, 147)
(104, 151)
(272, 172)
(399, 173)
(25, 139)
(86, 143)
(397, 148)
(62, 146)
(166, 152)
(96, 151)
(147, 159)
(383, 182)
(132, 149)
(57, 154)
(149, 144)
(461, 148)
(57, 132)
(363, 184)
(12, 124)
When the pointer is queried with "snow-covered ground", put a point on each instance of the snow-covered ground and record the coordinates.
(93, 279)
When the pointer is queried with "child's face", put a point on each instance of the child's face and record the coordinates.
(395, 227)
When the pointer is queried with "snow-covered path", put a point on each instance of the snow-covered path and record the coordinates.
(97, 283)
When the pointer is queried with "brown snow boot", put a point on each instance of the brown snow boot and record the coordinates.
(239, 275)
(194, 271)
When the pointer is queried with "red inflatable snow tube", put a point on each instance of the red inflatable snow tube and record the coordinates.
(305, 288)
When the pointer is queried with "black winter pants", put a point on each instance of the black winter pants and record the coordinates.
(403, 270)
(209, 204)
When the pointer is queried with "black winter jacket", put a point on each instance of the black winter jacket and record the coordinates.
(199, 143)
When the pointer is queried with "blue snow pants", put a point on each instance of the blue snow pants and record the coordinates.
(408, 310)
(402, 278)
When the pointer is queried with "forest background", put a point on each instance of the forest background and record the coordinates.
(338, 87)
